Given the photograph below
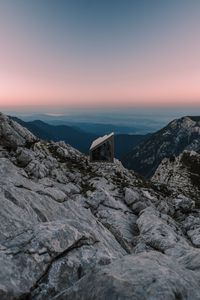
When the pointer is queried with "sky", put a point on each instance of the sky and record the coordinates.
(82, 53)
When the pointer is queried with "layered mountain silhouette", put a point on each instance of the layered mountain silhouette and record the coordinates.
(78, 138)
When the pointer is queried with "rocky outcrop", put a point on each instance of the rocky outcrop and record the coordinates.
(13, 135)
(179, 135)
(70, 229)
(182, 175)
(143, 276)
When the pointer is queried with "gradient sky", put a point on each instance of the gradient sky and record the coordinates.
(99, 52)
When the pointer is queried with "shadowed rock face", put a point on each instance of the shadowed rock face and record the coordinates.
(172, 140)
(74, 230)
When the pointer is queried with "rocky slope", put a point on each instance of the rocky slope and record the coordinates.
(74, 230)
(181, 174)
(179, 135)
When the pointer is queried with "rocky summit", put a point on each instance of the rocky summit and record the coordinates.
(70, 229)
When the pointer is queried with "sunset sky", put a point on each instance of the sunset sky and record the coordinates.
(99, 52)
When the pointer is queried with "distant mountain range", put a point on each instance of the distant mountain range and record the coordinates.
(179, 135)
(141, 153)
(100, 123)
(78, 138)
(71, 135)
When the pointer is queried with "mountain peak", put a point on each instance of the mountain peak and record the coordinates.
(186, 121)
(179, 135)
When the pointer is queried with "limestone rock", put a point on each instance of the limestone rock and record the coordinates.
(70, 229)
(14, 135)
(144, 276)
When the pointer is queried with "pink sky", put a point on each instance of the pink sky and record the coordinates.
(164, 69)
(168, 88)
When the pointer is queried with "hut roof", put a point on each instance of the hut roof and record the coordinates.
(100, 140)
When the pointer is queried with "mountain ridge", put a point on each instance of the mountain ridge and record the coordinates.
(77, 138)
(179, 135)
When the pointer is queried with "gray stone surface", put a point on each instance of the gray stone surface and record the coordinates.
(74, 230)
(182, 175)
(144, 276)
